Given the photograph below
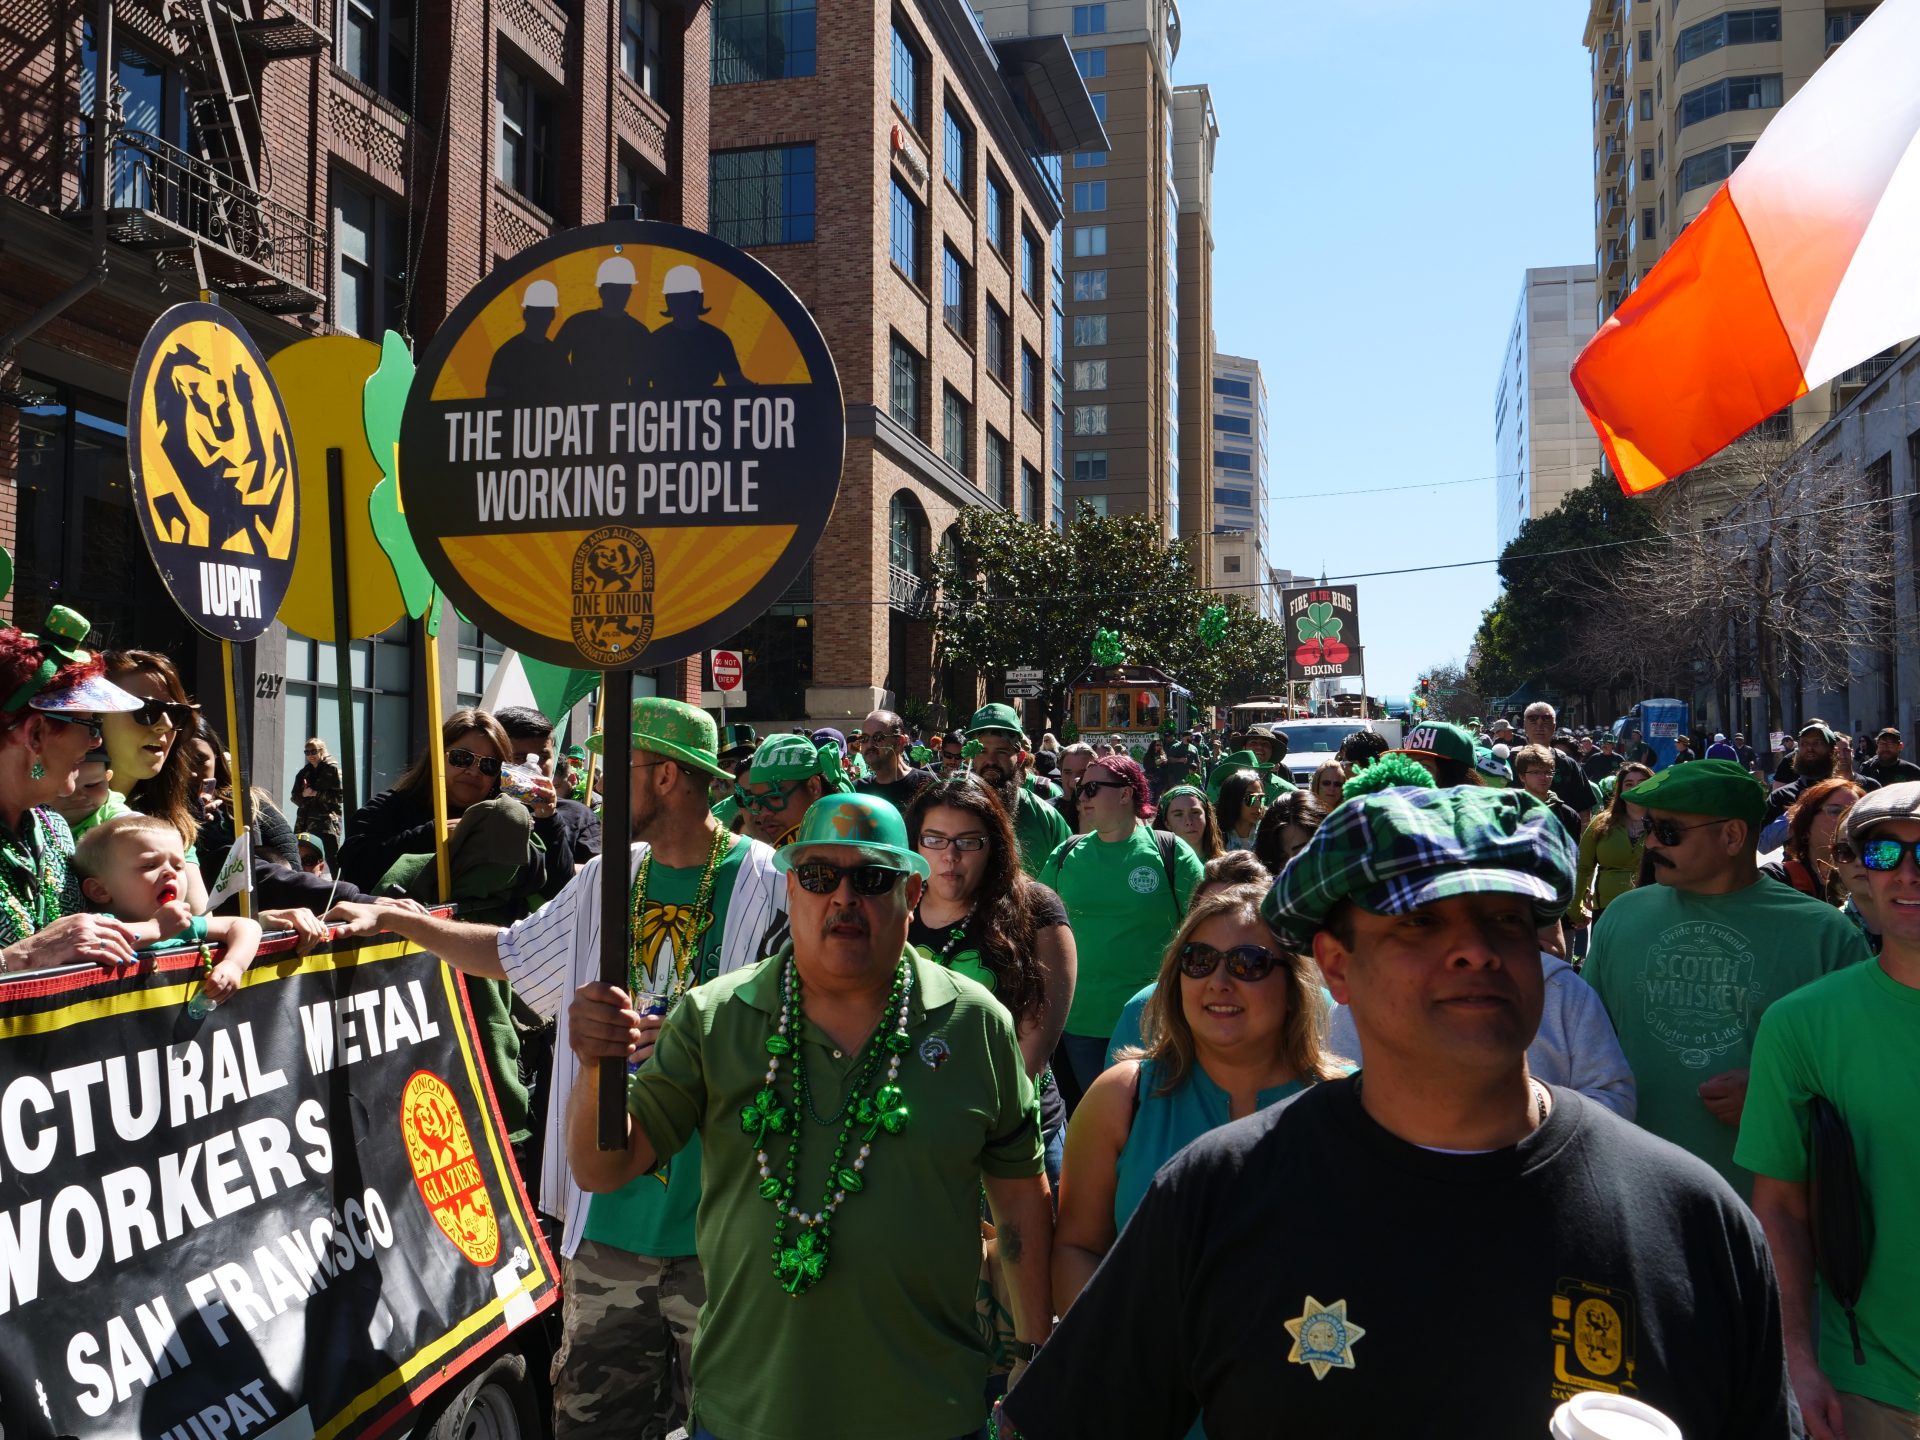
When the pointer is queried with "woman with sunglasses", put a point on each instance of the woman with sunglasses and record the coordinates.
(1235, 1024)
(318, 797)
(981, 916)
(1185, 811)
(1325, 787)
(52, 695)
(1813, 823)
(151, 768)
(399, 821)
(1243, 801)
(1611, 849)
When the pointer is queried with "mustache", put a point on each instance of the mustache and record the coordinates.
(836, 918)
(1654, 857)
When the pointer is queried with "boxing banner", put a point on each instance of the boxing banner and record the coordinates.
(293, 1217)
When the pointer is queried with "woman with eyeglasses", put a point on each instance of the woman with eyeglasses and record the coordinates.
(1814, 821)
(1325, 787)
(1185, 811)
(151, 768)
(1612, 848)
(1126, 887)
(1243, 801)
(1234, 1025)
(981, 916)
(52, 697)
(318, 797)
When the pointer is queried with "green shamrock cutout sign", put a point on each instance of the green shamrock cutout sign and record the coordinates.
(1319, 632)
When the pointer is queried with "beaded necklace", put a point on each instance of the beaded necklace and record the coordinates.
(41, 879)
(800, 1265)
(955, 935)
(686, 956)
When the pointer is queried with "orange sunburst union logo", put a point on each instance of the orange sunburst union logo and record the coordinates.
(440, 1149)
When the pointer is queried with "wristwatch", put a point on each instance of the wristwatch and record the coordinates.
(1027, 1350)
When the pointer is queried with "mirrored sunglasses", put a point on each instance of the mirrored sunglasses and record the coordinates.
(1244, 962)
(817, 877)
(461, 759)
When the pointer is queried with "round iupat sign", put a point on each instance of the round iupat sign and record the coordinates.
(622, 446)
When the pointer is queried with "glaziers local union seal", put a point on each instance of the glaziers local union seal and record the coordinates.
(612, 595)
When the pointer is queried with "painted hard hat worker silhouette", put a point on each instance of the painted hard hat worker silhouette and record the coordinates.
(529, 368)
(609, 353)
(690, 354)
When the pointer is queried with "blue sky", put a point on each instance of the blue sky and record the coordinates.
(1387, 170)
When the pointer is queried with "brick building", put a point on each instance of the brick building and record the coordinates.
(901, 173)
(335, 166)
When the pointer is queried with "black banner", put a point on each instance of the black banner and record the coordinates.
(1323, 632)
(295, 1217)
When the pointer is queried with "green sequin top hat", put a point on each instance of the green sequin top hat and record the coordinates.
(995, 717)
(676, 730)
(737, 742)
(796, 757)
(866, 822)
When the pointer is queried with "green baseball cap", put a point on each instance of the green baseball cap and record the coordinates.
(1393, 851)
(674, 729)
(995, 717)
(1722, 788)
(1492, 769)
(575, 752)
(1438, 740)
(796, 757)
(866, 822)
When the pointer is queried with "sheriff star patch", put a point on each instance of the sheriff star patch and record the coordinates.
(1323, 1338)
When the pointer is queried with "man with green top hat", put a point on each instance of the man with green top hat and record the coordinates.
(852, 1096)
(700, 901)
(997, 752)
(1687, 967)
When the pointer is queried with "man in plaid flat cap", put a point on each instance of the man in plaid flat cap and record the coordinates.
(1438, 1244)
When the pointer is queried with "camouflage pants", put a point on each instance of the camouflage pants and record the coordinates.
(626, 1340)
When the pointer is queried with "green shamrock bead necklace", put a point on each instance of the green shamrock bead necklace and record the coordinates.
(799, 1266)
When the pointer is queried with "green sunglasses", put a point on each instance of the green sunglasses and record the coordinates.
(772, 800)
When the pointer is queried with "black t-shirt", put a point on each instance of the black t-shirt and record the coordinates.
(898, 793)
(1304, 1273)
(1570, 782)
(1896, 771)
(1599, 765)
(1781, 799)
(572, 837)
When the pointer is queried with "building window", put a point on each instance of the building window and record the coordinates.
(1089, 159)
(1089, 195)
(1090, 284)
(1099, 99)
(997, 457)
(1089, 240)
(1238, 389)
(1089, 374)
(1232, 460)
(1031, 265)
(957, 157)
(1842, 23)
(369, 259)
(1646, 224)
(1646, 45)
(1089, 465)
(762, 197)
(1230, 564)
(1233, 424)
(1033, 502)
(1057, 432)
(907, 71)
(1646, 166)
(999, 341)
(1090, 19)
(376, 46)
(1089, 329)
(1736, 92)
(1096, 505)
(1092, 63)
(526, 123)
(1029, 383)
(1239, 499)
(1646, 105)
(1710, 167)
(1059, 489)
(904, 232)
(476, 661)
(956, 431)
(999, 213)
(1089, 419)
(955, 289)
(904, 373)
(381, 672)
(762, 40)
(1736, 27)
(640, 46)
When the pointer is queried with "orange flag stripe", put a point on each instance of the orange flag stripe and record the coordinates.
(1692, 359)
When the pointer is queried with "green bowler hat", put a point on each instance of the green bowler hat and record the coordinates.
(676, 730)
(995, 717)
(864, 821)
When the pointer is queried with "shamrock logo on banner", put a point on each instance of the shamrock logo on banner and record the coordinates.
(1213, 626)
(1320, 641)
(1108, 649)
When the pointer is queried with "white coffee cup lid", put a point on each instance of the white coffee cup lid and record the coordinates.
(1611, 1417)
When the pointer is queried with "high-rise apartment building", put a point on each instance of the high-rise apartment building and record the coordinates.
(1195, 134)
(1237, 453)
(1681, 91)
(901, 174)
(1544, 445)
(1123, 257)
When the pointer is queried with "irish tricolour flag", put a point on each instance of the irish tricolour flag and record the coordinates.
(1806, 263)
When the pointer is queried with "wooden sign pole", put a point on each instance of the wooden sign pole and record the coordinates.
(342, 629)
(437, 759)
(238, 750)
(616, 826)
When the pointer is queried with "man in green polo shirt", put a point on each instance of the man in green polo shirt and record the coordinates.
(851, 1096)
(1001, 760)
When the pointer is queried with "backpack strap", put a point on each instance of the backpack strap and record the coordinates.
(1164, 841)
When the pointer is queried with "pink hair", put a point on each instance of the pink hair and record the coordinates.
(1128, 769)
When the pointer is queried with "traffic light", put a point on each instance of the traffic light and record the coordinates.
(1426, 686)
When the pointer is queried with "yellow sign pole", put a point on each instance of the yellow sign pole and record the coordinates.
(437, 760)
(600, 728)
(239, 768)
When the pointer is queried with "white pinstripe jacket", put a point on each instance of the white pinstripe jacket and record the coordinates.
(556, 950)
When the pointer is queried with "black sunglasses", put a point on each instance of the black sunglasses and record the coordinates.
(1091, 788)
(461, 759)
(817, 877)
(1668, 833)
(1885, 854)
(180, 715)
(1244, 962)
(92, 723)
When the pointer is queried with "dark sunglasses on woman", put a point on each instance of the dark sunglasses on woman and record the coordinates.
(150, 713)
(1244, 962)
(461, 759)
(817, 877)
(93, 723)
(1090, 788)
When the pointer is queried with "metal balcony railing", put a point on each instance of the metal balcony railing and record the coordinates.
(908, 593)
(163, 199)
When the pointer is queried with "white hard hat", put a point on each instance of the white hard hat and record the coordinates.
(1718, 738)
(614, 270)
(541, 295)
(683, 280)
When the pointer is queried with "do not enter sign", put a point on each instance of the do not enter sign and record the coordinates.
(726, 670)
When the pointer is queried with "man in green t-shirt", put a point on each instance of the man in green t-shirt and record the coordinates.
(851, 1096)
(1852, 1039)
(999, 756)
(1687, 967)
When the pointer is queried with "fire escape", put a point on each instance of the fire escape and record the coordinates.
(203, 213)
